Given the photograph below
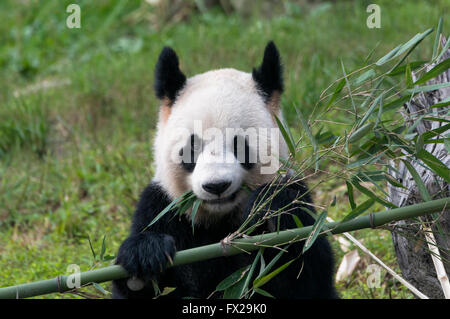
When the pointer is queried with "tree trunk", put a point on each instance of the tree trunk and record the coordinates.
(410, 246)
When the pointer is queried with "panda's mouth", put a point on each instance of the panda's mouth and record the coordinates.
(223, 200)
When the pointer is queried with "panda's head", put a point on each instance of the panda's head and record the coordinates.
(216, 133)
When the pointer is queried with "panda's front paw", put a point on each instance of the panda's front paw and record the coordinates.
(146, 255)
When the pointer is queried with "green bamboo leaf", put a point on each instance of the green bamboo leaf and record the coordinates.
(419, 143)
(317, 228)
(435, 164)
(434, 72)
(92, 248)
(412, 128)
(269, 266)
(252, 269)
(103, 248)
(371, 179)
(347, 82)
(338, 89)
(388, 56)
(287, 136)
(373, 176)
(370, 194)
(368, 176)
(435, 141)
(401, 69)
(194, 212)
(263, 293)
(108, 257)
(236, 290)
(99, 288)
(310, 136)
(380, 112)
(436, 132)
(155, 287)
(297, 221)
(397, 102)
(411, 44)
(360, 132)
(436, 119)
(369, 112)
(351, 197)
(393, 182)
(185, 206)
(422, 188)
(325, 138)
(443, 103)
(263, 280)
(369, 74)
(364, 161)
(371, 146)
(167, 290)
(262, 263)
(428, 88)
(232, 279)
(408, 76)
(359, 209)
(436, 38)
(444, 49)
(168, 208)
(333, 202)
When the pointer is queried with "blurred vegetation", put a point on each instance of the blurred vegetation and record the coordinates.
(77, 109)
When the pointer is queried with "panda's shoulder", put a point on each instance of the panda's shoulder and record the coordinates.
(153, 196)
(152, 201)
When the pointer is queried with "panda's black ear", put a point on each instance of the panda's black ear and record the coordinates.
(269, 75)
(169, 80)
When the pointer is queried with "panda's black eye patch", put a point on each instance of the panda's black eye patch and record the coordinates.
(241, 151)
(190, 152)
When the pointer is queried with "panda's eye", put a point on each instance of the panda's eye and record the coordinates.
(190, 152)
(241, 151)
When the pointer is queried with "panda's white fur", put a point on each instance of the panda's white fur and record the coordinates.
(218, 100)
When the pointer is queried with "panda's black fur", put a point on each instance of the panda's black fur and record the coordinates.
(169, 80)
(268, 75)
(145, 254)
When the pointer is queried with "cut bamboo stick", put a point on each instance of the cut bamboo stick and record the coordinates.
(238, 246)
(437, 261)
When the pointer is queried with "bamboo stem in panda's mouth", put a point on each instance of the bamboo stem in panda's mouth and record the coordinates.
(237, 246)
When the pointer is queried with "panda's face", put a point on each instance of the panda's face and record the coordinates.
(217, 137)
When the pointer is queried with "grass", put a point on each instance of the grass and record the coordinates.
(77, 113)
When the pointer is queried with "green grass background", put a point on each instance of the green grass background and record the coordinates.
(75, 155)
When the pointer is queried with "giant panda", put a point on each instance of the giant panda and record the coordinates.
(219, 100)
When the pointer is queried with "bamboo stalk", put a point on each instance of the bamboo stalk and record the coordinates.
(187, 256)
(437, 261)
(413, 289)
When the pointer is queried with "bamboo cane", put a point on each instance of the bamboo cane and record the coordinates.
(437, 261)
(413, 289)
(188, 256)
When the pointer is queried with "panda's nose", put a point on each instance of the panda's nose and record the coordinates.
(216, 188)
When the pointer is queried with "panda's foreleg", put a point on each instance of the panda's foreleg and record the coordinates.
(145, 253)
(144, 256)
